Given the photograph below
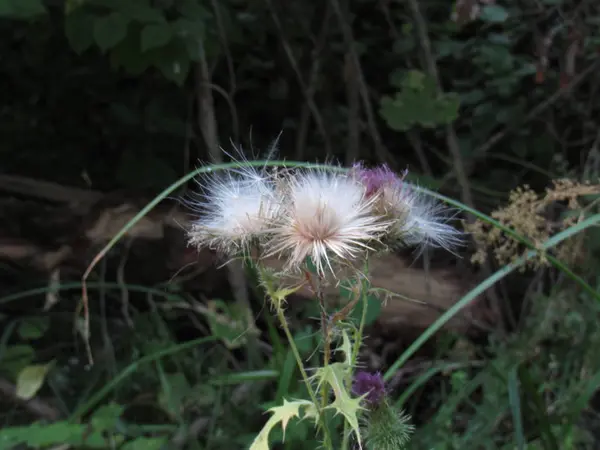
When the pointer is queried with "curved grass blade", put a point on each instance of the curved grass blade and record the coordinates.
(149, 207)
(516, 236)
(514, 401)
(85, 408)
(100, 285)
(482, 287)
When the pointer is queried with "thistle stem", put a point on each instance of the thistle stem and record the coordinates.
(326, 344)
(313, 397)
(363, 319)
(316, 288)
(355, 349)
(277, 301)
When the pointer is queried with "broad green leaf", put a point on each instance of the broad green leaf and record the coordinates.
(192, 34)
(30, 380)
(282, 414)
(140, 12)
(155, 35)
(192, 9)
(419, 102)
(33, 328)
(15, 357)
(493, 13)
(128, 55)
(40, 435)
(110, 30)
(79, 28)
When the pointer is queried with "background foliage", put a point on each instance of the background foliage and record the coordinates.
(475, 97)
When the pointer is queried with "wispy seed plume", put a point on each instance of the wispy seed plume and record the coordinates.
(325, 216)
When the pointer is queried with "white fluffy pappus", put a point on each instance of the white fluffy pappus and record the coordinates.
(420, 220)
(324, 216)
(236, 207)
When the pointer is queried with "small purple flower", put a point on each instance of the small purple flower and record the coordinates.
(376, 178)
(371, 384)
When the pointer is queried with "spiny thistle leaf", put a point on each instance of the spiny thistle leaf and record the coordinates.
(279, 296)
(283, 414)
(335, 375)
(346, 347)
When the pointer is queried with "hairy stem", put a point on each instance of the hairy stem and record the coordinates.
(362, 296)
(313, 397)
(363, 318)
(277, 302)
(316, 287)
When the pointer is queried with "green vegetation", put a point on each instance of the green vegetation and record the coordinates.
(113, 334)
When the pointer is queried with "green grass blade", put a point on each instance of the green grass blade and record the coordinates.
(482, 287)
(424, 378)
(94, 285)
(130, 369)
(516, 236)
(244, 377)
(177, 184)
(514, 401)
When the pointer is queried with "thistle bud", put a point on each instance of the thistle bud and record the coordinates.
(383, 427)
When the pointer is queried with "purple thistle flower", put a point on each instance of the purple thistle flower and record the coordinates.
(371, 384)
(374, 179)
(418, 220)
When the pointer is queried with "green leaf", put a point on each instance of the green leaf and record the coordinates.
(174, 393)
(33, 328)
(110, 30)
(144, 443)
(192, 33)
(348, 290)
(105, 418)
(128, 55)
(373, 310)
(337, 375)
(39, 435)
(140, 12)
(21, 9)
(305, 340)
(79, 28)
(192, 9)
(493, 14)
(282, 414)
(514, 401)
(419, 102)
(155, 35)
(30, 380)
(175, 69)
(15, 357)
(244, 377)
(232, 323)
